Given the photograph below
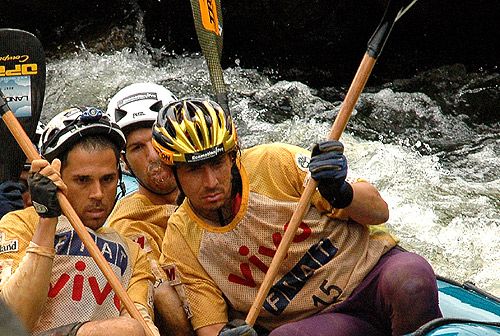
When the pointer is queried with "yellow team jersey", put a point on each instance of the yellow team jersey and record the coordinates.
(223, 267)
(78, 289)
(144, 222)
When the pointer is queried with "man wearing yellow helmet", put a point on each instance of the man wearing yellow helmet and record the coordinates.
(238, 205)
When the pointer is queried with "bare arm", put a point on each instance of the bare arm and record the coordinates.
(211, 330)
(118, 326)
(26, 290)
(367, 207)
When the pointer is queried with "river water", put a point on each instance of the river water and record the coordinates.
(443, 199)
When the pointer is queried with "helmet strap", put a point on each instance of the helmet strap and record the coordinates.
(121, 184)
(182, 195)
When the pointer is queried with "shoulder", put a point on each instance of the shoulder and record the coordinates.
(112, 234)
(182, 223)
(23, 219)
(274, 149)
(135, 207)
(274, 154)
(133, 201)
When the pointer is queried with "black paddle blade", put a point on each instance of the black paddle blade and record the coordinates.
(394, 10)
(22, 81)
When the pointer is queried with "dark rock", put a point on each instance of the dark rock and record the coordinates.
(319, 42)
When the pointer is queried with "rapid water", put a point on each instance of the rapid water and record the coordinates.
(444, 203)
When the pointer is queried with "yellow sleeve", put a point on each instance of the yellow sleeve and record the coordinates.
(25, 267)
(140, 288)
(180, 247)
(16, 230)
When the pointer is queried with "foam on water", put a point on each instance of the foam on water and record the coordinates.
(448, 215)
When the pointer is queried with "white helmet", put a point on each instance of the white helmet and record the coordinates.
(137, 105)
(67, 127)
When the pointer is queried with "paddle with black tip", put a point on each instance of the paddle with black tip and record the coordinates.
(21, 70)
(207, 16)
(22, 80)
(395, 9)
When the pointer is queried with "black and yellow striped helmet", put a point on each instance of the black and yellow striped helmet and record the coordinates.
(192, 130)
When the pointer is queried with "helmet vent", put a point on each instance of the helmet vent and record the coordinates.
(156, 106)
(119, 114)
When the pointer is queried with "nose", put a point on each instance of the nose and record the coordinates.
(96, 191)
(151, 153)
(209, 175)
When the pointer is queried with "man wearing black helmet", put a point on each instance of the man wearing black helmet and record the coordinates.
(48, 277)
(341, 276)
(143, 215)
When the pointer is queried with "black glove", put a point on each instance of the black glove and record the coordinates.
(44, 196)
(10, 197)
(328, 166)
(237, 328)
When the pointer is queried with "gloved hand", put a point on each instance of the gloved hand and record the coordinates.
(237, 328)
(328, 166)
(44, 182)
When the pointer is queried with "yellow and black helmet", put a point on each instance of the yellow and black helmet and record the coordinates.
(192, 130)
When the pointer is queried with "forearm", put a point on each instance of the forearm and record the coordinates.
(26, 290)
(147, 318)
(211, 330)
(367, 206)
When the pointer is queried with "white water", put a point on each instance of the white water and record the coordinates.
(437, 212)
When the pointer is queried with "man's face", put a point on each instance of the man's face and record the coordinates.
(207, 185)
(147, 166)
(91, 177)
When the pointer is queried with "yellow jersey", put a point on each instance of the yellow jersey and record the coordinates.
(222, 268)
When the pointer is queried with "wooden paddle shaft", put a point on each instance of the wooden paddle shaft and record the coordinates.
(338, 127)
(31, 153)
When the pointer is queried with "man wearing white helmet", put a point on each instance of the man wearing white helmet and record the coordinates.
(47, 275)
(143, 215)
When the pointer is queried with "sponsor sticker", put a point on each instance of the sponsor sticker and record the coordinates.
(142, 241)
(11, 245)
(302, 161)
(171, 272)
(17, 94)
(204, 154)
(137, 97)
(209, 17)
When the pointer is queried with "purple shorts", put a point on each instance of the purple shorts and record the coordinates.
(398, 296)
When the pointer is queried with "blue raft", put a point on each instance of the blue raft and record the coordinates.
(467, 311)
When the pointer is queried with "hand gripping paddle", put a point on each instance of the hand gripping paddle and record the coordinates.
(22, 77)
(394, 10)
